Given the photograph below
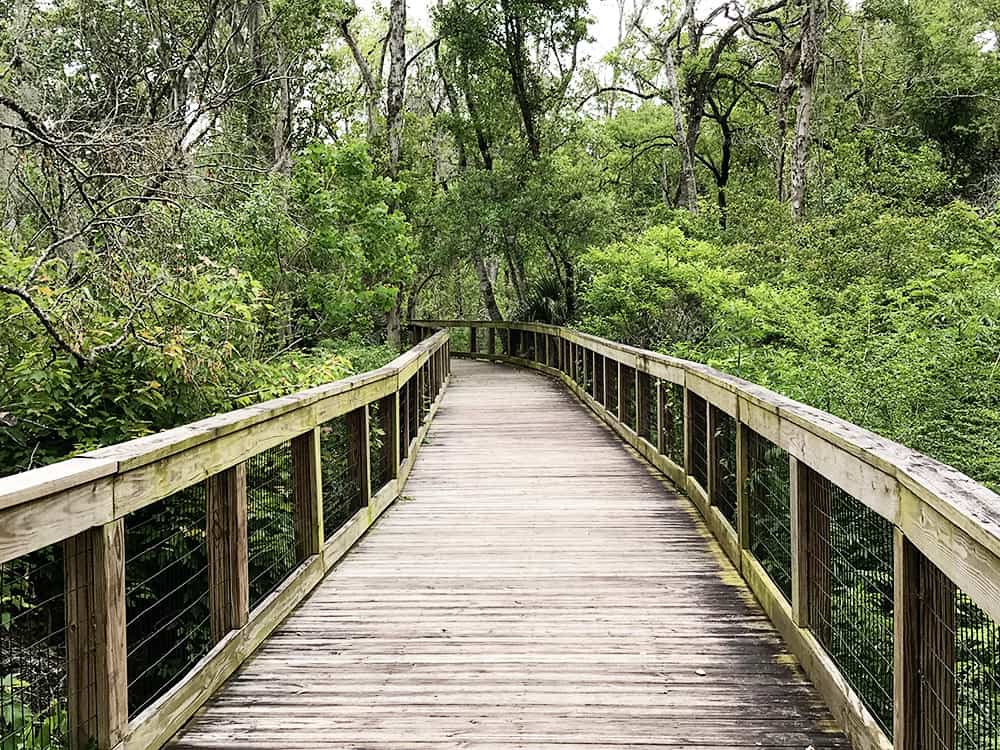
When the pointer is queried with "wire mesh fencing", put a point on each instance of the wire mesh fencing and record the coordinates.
(426, 392)
(597, 368)
(769, 509)
(413, 406)
(698, 430)
(583, 374)
(651, 422)
(850, 594)
(672, 421)
(724, 472)
(167, 615)
(34, 670)
(959, 664)
(611, 385)
(270, 520)
(404, 423)
(381, 472)
(341, 490)
(628, 415)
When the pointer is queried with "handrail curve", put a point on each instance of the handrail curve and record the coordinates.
(942, 529)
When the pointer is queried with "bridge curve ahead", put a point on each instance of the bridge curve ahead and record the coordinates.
(537, 586)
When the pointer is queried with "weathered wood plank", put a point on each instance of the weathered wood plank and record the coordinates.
(537, 587)
(95, 637)
(226, 536)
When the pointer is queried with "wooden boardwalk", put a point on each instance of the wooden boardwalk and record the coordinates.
(537, 587)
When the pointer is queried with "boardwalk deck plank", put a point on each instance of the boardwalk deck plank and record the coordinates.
(537, 587)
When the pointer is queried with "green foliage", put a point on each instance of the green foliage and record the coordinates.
(655, 289)
(24, 728)
(891, 321)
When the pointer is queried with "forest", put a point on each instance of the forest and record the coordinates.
(205, 204)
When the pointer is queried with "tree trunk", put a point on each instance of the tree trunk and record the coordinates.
(722, 179)
(395, 92)
(486, 288)
(789, 62)
(282, 131)
(517, 64)
(392, 334)
(812, 28)
(688, 184)
(482, 141)
(452, 98)
(570, 288)
(367, 77)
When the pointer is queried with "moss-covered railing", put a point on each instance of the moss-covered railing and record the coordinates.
(878, 565)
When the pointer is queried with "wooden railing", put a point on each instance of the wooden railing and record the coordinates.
(162, 563)
(878, 565)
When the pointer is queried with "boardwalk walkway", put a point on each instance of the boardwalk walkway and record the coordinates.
(537, 588)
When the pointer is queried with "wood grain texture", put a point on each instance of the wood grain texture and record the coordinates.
(95, 636)
(535, 587)
(226, 535)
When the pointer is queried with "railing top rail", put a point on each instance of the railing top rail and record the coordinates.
(904, 487)
(83, 471)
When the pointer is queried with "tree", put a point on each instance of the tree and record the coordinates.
(812, 36)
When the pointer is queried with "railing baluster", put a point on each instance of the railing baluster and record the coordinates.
(604, 382)
(619, 410)
(660, 447)
(308, 493)
(688, 441)
(711, 454)
(228, 566)
(95, 636)
(906, 646)
(799, 525)
(742, 493)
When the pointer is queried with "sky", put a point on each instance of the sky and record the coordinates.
(604, 28)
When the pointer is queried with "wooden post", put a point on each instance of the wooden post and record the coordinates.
(742, 473)
(308, 494)
(619, 411)
(819, 506)
(359, 454)
(472, 339)
(798, 486)
(491, 340)
(228, 572)
(906, 644)
(96, 647)
(659, 417)
(711, 451)
(688, 442)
